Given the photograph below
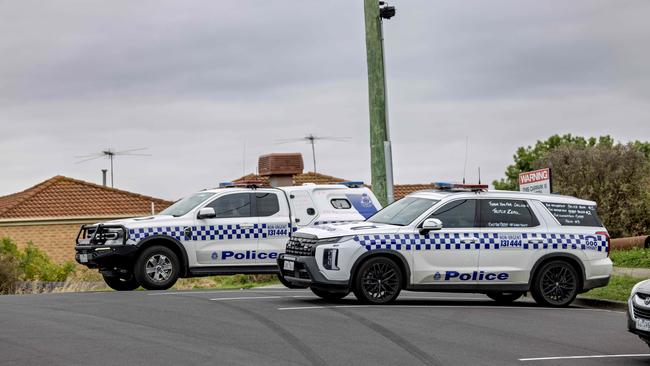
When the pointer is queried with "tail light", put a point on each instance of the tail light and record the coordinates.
(606, 234)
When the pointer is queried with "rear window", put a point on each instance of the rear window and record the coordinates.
(573, 214)
(497, 213)
(341, 204)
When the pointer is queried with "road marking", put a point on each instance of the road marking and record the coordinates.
(583, 357)
(255, 297)
(445, 307)
(221, 292)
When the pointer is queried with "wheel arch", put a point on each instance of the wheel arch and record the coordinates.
(171, 243)
(570, 258)
(387, 253)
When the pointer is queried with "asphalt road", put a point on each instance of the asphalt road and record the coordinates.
(293, 327)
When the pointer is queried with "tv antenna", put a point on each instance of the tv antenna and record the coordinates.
(311, 139)
(110, 154)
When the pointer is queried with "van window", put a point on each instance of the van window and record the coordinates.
(457, 214)
(496, 213)
(574, 215)
(267, 204)
(340, 203)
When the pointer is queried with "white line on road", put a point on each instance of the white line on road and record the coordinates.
(583, 357)
(220, 292)
(254, 297)
(445, 307)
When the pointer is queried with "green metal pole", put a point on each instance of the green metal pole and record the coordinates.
(377, 99)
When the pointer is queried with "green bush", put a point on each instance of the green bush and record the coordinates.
(30, 264)
(632, 258)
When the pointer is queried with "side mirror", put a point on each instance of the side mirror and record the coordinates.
(206, 213)
(431, 224)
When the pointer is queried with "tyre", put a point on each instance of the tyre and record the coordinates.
(327, 295)
(121, 284)
(555, 284)
(157, 268)
(378, 281)
(288, 284)
(504, 297)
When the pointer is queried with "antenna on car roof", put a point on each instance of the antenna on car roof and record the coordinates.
(479, 175)
(465, 164)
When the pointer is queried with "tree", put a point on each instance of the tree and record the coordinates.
(617, 177)
(526, 156)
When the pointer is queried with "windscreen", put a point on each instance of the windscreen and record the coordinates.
(403, 212)
(185, 205)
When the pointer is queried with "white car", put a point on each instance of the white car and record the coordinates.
(638, 311)
(218, 231)
(458, 238)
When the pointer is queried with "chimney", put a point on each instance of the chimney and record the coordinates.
(104, 177)
(280, 168)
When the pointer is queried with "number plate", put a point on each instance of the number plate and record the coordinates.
(288, 265)
(643, 324)
(83, 258)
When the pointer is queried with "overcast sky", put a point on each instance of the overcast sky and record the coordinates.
(200, 82)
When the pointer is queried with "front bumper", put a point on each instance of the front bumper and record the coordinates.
(106, 256)
(631, 323)
(306, 273)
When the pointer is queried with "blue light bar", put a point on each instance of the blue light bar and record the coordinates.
(226, 184)
(352, 184)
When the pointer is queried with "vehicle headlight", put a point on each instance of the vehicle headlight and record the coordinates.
(331, 259)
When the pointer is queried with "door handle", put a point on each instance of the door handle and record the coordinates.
(246, 226)
(535, 241)
(468, 240)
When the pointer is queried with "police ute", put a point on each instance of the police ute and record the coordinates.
(457, 238)
(228, 230)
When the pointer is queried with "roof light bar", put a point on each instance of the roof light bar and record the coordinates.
(459, 186)
(352, 184)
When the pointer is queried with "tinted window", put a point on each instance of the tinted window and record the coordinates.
(507, 213)
(457, 214)
(267, 204)
(403, 212)
(341, 203)
(232, 205)
(574, 215)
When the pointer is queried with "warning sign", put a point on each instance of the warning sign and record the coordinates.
(537, 181)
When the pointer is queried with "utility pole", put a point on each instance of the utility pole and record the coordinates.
(380, 148)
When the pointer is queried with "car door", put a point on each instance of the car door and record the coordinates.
(231, 237)
(511, 234)
(273, 215)
(449, 256)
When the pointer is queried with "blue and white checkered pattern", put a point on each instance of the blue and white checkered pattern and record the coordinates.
(221, 232)
(460, 241)
(210, 232)
(176, 232)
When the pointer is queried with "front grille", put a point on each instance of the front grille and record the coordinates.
(301, 246)
(640, 312)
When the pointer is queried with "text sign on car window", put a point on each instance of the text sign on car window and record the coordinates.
(537, 181)
(573, 214)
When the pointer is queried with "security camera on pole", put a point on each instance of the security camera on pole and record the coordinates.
(380, 148)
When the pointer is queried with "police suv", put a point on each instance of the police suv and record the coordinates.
(218, 231)
(458, 238)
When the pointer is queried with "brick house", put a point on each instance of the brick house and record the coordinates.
(49, 214)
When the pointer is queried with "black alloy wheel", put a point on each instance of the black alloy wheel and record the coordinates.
(556, 284)
(378, 281)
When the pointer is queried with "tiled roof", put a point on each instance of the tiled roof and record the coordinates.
(401, 190)
(67, 197)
